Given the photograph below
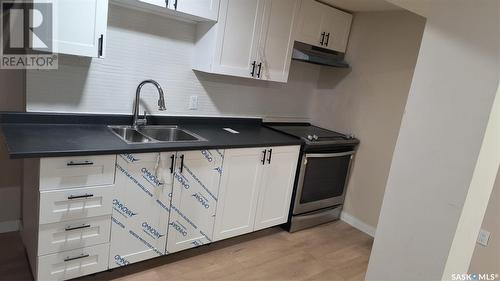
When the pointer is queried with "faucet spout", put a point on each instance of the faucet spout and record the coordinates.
(161, 102)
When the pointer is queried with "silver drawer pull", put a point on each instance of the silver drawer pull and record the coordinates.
(69, 228)
(84, 163)
(73, 197)
(76, 258)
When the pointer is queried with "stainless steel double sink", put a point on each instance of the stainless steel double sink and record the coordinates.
(154, 134)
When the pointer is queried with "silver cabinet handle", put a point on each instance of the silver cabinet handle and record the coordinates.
(83, 163)
(85, 196)
(76, 258)
(69, 228)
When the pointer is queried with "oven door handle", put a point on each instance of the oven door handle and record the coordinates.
(329, 155)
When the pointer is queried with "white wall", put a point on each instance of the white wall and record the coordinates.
(369, 100)
(440, 140)
(142, 46)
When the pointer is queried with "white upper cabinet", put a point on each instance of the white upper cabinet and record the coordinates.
(323, 26)
(80, 27)
(337, 25)
(237, 43)
(161, 3)
(252, 39)
(309, 29)
(193, 10)
(208, 9)
(276, 43)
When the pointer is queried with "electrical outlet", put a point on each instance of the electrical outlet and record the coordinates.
(193, 103)
(484, 237)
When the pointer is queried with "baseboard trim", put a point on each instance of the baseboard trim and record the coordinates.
(358, 224)
(9, 226)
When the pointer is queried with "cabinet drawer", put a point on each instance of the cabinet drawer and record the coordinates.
(65, 236)
(72, 264)
(70, 172)
(73, 204)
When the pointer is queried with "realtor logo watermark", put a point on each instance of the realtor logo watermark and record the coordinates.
(27, 35)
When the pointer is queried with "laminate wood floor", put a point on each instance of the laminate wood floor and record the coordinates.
(333, 251)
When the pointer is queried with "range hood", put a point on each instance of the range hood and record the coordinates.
(316, 55)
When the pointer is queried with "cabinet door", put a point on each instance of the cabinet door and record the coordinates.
(194, 199)
(276, 46)
(141, 207)
(207, 9)
(239, 27)
(310, 19)
(337, 25)
(80, 27)
(276, 186)
(238, 192)
(161, 3)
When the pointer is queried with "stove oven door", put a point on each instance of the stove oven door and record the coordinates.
(322, 181)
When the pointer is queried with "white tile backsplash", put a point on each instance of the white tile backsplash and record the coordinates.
(144, 46)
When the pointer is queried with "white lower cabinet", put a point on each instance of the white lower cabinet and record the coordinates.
(72, 264)
(73, 172)
(140, 207)
(276, 187)
(153, 204)
(250, 176)
(67, 215)
(74, 204)
(64, 236)
(194, 199)
(238, 192)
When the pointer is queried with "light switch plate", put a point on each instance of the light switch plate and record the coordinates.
(484, 237)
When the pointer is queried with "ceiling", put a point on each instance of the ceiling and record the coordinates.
(361, 5)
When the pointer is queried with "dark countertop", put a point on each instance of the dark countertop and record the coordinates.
(32, 135)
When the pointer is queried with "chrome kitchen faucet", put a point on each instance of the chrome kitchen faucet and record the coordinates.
(161, 102)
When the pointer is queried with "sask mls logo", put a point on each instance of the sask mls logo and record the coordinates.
(475, 277)
(27, 35)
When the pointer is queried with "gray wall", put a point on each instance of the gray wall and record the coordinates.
(11, 99)
(487, 259)
(442, 134)
(369, 100)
